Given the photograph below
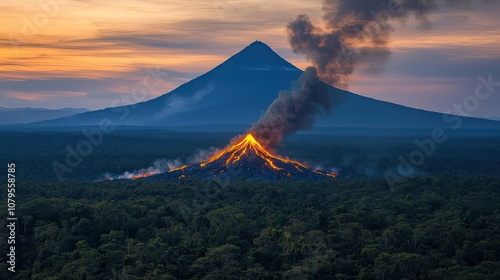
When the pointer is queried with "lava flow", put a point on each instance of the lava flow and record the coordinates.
(131, 176)
(145, 175)
(247, 158)
(247, 147)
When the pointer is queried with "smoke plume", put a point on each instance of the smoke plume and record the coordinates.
(356, 32)
(293, 111)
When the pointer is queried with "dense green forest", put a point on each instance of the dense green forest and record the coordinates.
(442, 227)
(441, 223)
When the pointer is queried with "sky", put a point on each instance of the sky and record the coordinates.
(92, 53)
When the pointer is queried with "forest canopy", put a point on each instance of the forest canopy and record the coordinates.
(425, 228)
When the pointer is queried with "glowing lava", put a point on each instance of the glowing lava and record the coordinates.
(245, 147)
(243, 158)
(145, 175)
(248, 149)
(179, 168)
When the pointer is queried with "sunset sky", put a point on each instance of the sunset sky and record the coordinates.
(87, 53)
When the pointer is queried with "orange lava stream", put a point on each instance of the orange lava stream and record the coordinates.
(326, 174)
(238, 150)
(235, 152)
(178, 168)
(142, 176)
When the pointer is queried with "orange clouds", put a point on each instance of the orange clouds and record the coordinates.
(43, 95)
(108, 43)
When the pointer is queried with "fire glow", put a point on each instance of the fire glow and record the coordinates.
(246, 147)
(236, 151)
(132, 176)
(159, 166)
(245, 153)
(145, 175)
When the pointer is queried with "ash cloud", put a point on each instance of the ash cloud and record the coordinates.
(357, 32)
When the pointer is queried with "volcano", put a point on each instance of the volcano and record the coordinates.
(233, 95)
(246, 158)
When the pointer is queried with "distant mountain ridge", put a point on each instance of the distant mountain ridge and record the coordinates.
(240, 89)
(29, 115)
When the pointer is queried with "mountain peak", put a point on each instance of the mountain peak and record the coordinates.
(259, 45)
(259, 56)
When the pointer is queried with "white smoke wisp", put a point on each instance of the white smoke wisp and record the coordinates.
(162, 165)
(159, 166)
(202, 155)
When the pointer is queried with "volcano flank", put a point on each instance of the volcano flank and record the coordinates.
(246, 158)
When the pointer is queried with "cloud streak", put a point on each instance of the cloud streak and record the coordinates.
(94, 41)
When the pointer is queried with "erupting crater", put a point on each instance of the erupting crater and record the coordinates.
(247, 158)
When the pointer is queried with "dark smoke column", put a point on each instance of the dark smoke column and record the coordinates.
(357, 32)
(293, 110)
